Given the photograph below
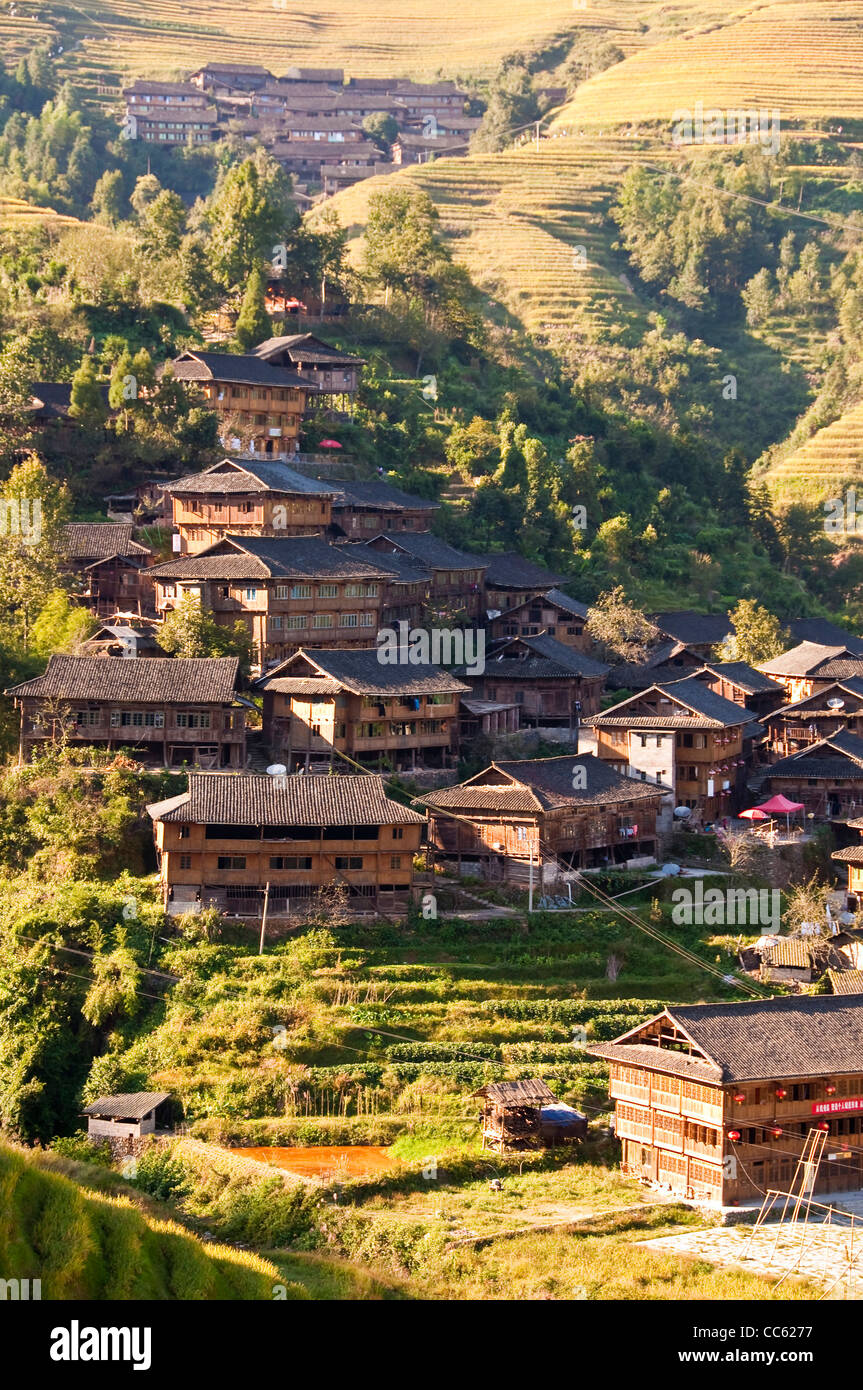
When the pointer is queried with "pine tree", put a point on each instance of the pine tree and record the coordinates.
(253, 323)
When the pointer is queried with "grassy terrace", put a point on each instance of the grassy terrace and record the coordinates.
(802, 58)
(824, 465)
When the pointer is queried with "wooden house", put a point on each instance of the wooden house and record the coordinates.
(291, 592)
(526, 1115)
(247, 497)
(458, 579)
(554, 612)
(715, 1101)
(742, 685)
(124, 640)
(810, 667)
(335, 375)
(512, 581)
(852, 855)
(542, 815)
(110, 567)
(128, 1116)
(320, 704)
(420, 149)
(174, 711)
(827, 777)
(226, 838)
(407, 592)
(684, 738)
(816, 717)
(486, 719)
(553, 685)
(259, 406)
(365, 509)
(666, 661)
(241, 77)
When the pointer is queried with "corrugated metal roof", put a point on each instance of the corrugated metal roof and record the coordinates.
(131, 1106)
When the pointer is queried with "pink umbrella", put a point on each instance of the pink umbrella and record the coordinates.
(329, 444)
(780, 805)
(754, 814)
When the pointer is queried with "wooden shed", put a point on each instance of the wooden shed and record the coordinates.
(127, 1116)
(525, 1115)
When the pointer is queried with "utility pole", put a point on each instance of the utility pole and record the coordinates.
(264, 918)
(538, 124)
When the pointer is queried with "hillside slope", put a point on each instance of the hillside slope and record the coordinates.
(86, 1245)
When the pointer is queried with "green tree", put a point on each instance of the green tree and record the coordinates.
(253, 323)
(189, 631)
(108, 197)
(250, 213)
(757, 635)
(381, 128)
(163, 225)
(758, 297)
(33, 511)
(87, 403)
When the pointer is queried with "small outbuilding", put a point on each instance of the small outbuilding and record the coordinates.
(126, 1116)
(526, 1115)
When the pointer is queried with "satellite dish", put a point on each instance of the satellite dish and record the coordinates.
(835, 703)
(276, 770)
(683, 812)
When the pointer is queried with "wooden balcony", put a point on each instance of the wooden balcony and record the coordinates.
(627, 1090)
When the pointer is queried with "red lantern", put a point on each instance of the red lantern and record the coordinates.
(780, 1093)
(734, 1135)
(830, 1090)
(823, 1126)
(776, 1132)
(740, 1097)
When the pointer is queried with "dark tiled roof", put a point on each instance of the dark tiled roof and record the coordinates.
(570, 605)
(99, 540)
(840, 757)
(241, 368)
(710, 710)
(852, 855)
(511, 570)
(147, 680)
(740, 673)
(544, 657)
(815, 705)
(657, 1059)
(263, 557)
(133, 1106)
(53, 398)
(694, 629)
(807, 658)
(788, 953)
(543, 783)
(430, 550)
(250, 475)
(825, 633)
(378, 495)
(299, 799)
(140, 87)
(403, 568)
(765, 1039)
(842, 669)
(305, 347)
(363, 673)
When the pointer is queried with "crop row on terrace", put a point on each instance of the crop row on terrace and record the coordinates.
(824, 466)
(804, 57)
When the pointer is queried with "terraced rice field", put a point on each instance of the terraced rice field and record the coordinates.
(14, 212)
(529, 226)
(405, 37)
(803, 57)
(824, 466)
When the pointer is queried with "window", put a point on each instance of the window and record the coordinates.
(296, 621)
(361, 590)
(398, 832)
(322, 620)
(348, 620)
(137, 719)
(301, 591)
(345, 861)
(193, 719)
(367, 620)
(275, 622)
(250, 594)
(395, 861)
(371, 730)
(328, 591)
(283, 591)
(291, 861)
(185, 861)
(88, 717)
(232, 861)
